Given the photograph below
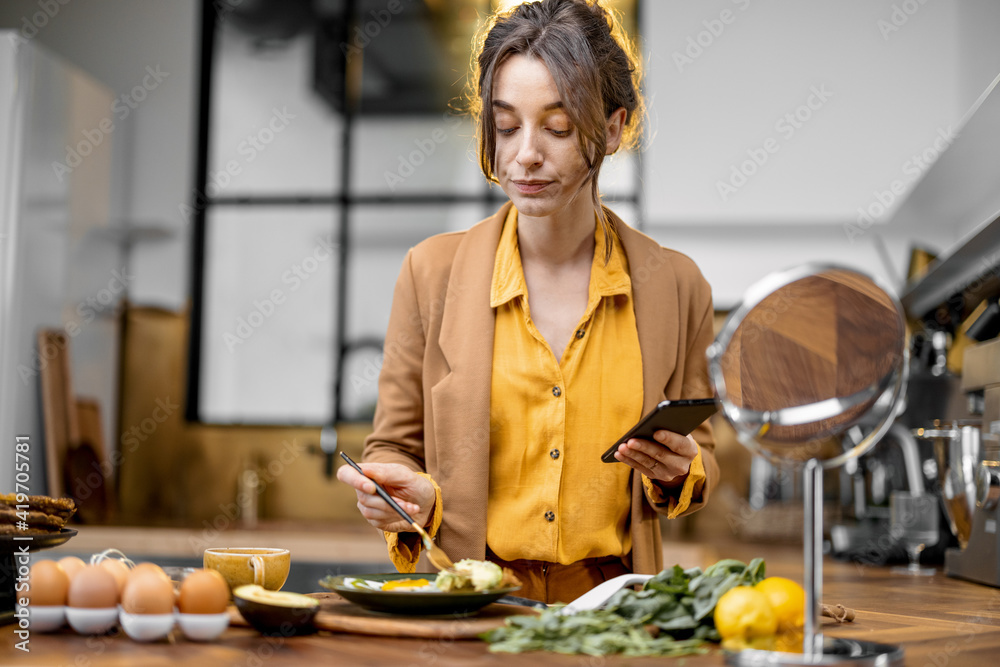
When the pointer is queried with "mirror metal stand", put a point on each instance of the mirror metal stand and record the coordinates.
(812, 553)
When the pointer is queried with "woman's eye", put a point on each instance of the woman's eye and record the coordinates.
(561, 133)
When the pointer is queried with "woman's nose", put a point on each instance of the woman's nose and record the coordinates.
(528, 151)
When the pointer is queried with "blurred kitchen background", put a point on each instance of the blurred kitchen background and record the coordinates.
(206, 204)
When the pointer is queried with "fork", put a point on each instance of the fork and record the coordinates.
(435, 554)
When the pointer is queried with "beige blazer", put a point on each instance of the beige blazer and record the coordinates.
(433, 410)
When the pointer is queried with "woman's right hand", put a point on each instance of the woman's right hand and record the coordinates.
(415, 494)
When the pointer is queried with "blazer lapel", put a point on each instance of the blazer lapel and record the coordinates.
(460, 402)
(654, 294)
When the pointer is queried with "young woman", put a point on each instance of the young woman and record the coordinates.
(518, 350)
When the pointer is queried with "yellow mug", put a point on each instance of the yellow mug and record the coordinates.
(246, 565)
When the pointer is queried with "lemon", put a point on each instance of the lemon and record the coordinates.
(737, 644)
(788, 600)
(745, 613)
(788, 642)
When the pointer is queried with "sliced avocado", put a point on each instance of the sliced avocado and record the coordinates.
(276, 612)
(276, 598)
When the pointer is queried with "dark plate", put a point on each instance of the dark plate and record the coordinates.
(412, 603)
(8, 543)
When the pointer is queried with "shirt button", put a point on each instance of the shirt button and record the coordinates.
(554, 453)
(580, 333)
(556, 391)
(550, 516)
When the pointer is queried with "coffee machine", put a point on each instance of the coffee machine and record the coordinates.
(968, 457)
(861, 532)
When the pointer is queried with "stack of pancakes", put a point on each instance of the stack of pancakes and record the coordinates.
(43, 514)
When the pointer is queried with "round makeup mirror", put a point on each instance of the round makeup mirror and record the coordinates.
(810, 371)
(808, 355)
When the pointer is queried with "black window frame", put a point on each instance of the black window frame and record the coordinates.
(346, 202)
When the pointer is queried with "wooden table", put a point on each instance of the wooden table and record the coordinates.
(939, 621)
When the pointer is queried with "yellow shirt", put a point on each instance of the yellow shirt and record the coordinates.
(551, 421)
(551, 497)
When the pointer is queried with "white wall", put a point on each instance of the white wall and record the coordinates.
(892, 81)
(10, 183)
(880, 99)
(116, 41)
(55, 263)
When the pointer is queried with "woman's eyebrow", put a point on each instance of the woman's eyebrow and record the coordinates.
(507, 106)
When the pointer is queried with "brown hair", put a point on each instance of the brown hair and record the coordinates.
(594, 66)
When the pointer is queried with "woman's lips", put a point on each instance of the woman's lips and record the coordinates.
(530, 187)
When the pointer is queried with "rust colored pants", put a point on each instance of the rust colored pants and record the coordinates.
(553, 582)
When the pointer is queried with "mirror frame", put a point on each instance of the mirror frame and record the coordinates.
(887, 407)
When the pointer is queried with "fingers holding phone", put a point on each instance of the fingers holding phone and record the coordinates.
(671, 417)
(665, 459)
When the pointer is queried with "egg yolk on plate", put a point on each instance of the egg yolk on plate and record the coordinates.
(405, 584)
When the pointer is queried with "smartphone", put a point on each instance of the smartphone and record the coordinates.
(681, 417)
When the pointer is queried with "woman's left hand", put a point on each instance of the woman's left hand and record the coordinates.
(666, 460)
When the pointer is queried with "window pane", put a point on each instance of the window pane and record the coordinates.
(270, 132)
(428, 154)
(269, 314)
(381, 238)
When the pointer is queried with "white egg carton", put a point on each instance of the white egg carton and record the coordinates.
(139, 627)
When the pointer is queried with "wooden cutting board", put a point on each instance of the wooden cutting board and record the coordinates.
(62, 427)
(338, 615)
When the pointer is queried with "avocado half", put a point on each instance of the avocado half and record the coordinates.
(276, 613)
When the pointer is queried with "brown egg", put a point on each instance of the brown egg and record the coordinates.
(118, 569)
(203, 592)
(151, 568)
(71, 565)
(92, 587)
(148, 593)
(48, 584)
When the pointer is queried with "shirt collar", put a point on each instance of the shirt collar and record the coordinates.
(611, 278)
(508, 274)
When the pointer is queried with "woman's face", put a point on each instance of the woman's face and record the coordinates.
(538, 160)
